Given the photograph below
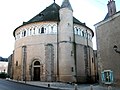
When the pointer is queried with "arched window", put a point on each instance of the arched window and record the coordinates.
(51, 29)
(27, 32)
(75, 30)
(16, 63)
(42, 30)
(54, 29)
(24, 33)
(39, 30)
(36, 63)
(34, 30)
(30, 31)
(79, 31)
(83, 33)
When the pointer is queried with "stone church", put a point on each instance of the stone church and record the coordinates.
(54, 46)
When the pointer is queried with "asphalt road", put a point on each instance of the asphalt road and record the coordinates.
(9, 85)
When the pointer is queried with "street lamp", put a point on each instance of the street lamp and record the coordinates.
(116, 49)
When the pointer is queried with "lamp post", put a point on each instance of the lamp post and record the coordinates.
(116, 49)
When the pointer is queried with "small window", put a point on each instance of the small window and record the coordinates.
(107, 76)
(83, 33)
(42, 30)
(92, 60)
(75, 30)
(30, 31)
(52, 28)
(79, 32)
(24, 33)
(39, 30)
(33, 30)
(16, 63)
(72, 69)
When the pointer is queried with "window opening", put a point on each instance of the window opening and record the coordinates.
(37, 63)
(16, 63)
(24, 33)
(30, 31)
(42, 30)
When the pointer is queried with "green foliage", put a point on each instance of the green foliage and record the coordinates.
(3, 75)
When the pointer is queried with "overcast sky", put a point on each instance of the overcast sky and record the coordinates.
(14, 12)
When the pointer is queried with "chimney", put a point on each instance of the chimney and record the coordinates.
(111, 7)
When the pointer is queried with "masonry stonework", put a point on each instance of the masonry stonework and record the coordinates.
(54, 48)
(108, 35)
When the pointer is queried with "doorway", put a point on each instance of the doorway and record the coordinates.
(36, 70)
(36, 73)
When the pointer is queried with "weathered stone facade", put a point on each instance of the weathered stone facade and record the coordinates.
(10, 66)
(54, 50)
(108, 35)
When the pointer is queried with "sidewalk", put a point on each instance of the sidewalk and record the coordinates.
(65, 86)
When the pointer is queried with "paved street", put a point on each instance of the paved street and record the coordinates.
(36, 85)
(65, 86)
(8, 85)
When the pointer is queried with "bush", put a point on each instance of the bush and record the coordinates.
(3, 75)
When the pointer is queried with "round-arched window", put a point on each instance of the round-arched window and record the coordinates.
(36, 63)
(42, 30)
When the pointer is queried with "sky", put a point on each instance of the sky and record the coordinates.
(14, 12)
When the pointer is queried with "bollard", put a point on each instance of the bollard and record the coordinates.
(109, 88)
(91, 87)
(75, 87)
(48, 85)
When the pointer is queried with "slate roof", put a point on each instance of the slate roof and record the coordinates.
(107, 15)
(51, 13)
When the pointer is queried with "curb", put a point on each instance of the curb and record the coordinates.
(34, 85)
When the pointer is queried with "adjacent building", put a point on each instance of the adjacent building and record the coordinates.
(108, 39)
(10, 66)
(3, 65)
(54, 46)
